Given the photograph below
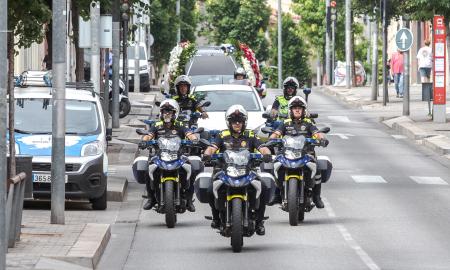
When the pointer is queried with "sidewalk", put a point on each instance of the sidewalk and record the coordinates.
(418, 126)
(79, 244)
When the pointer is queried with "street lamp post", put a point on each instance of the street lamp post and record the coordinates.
(116, 58)
(348, 32)
(3, 85)
(280, 46)
(125, 17)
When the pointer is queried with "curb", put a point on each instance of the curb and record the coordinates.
(439, 144)
(345, 96)
(89, 247)
(117, 189)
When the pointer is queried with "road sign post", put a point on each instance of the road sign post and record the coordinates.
(439, 80)
(404, 41)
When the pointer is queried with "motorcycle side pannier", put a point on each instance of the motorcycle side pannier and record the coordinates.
(324, 166)
(203, 183)
(140, 170)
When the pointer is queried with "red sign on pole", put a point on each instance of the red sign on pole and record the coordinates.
(439, 51)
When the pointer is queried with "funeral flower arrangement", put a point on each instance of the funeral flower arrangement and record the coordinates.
(179, 57)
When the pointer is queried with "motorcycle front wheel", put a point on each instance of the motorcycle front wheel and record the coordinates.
(169, 204)
(292, 199)
(237, 228)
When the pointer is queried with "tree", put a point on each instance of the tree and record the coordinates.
(189, 20)
(295, 54)
(245, 21)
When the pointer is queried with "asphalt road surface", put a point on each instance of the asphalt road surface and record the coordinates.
(387, 207)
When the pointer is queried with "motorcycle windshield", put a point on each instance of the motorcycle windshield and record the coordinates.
(237, 158)
(294, 143)
(172, 144)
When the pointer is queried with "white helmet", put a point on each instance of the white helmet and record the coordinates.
(236, 112)
(170, 104)
(297, 101)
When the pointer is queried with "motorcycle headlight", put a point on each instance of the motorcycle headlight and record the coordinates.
(92, 149)
(234, 172)
(166, 156)
(290, 154)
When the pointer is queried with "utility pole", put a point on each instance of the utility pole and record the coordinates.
(106, 88)
(280, 46)
(125, 18)
(137, 39)
(369, 52)
(406, 75)
(3, 113)
(327, 43)
(385, 82)
(179, 24)
(58, 192)
(333, 17)
(116, 60)
(348, 52)
(374, 56)
(95, 45)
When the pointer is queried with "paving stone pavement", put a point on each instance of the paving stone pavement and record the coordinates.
(41, 239)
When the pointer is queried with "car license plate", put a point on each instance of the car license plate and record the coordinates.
(45, 178)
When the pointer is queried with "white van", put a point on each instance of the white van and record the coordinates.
(144, 67)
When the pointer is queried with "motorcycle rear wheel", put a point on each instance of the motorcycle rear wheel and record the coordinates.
(237, 228)
(169, 204)
(293, 208)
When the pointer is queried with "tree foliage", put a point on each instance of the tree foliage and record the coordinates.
(295, 55)
(245, 20)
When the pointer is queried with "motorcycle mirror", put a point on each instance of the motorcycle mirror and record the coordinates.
(307, 91)
(206, 104)
(199, 130)
(158, 103)
(325, 130)
(266, 115)
(266, 130)
(141, 131)
(313, 115)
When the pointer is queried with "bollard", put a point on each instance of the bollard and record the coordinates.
(14, 207)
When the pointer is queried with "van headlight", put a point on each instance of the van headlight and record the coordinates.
(143, 68)
(16, 147)
(92, 149)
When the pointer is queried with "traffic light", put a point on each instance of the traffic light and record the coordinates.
(333, 14)
(125, 9)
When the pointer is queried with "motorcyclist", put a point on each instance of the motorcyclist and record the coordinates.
(237, 137)
(299, 121)
(240, 77)
(187, 102)
(280, 105)
(168, 125)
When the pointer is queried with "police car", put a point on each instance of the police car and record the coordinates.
(85, 142)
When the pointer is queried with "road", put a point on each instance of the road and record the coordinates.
(387, 206)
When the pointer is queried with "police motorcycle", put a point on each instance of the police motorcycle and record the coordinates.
(237, 192)
(124, 101)
(290, 167)
(169, 171)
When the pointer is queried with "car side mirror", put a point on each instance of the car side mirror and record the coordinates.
(158, 103)
(206, 104)
(109, 134)
(325, 130)
(313, 115)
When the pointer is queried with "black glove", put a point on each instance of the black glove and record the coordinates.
(206, 158)
(267, 158)
(324, 142)
(142, 145)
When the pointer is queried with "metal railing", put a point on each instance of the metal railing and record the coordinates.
(14, 207)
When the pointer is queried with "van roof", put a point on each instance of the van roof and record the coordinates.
(45, 92)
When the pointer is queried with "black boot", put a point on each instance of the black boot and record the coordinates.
(190, 205)
(260, 230)
(215, 223)
(276, 199)
(150, 202)
(316, 196)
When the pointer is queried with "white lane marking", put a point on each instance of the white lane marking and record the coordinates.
(349, 239)
(340, 118)
(428, 180)
(368, 179)
(399, 137)
(343, 136)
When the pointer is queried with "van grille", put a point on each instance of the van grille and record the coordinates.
(46, 167)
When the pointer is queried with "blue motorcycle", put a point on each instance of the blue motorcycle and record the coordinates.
(293, 162)
(169, 171)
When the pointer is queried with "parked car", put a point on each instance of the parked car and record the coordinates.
(85, 142)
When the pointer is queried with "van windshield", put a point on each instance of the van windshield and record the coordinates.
(35, 116)
(130, 52)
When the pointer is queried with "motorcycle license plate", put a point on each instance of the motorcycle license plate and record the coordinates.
(45, 178)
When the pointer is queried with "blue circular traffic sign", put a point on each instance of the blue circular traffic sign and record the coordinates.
(404, 39)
